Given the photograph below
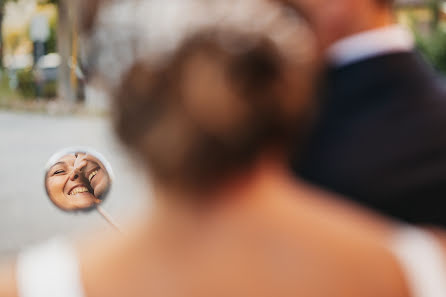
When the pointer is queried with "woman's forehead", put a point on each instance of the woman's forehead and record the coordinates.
(69, 159)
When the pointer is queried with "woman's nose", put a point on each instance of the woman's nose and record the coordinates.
(74, 174)
(79, 165)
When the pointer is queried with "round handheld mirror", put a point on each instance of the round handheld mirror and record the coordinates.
(79, 179)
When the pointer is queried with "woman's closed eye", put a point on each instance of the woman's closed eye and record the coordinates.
(60, 168)
(60, 171)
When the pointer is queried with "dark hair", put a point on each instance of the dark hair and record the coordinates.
(209, 109)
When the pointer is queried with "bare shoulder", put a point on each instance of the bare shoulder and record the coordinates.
(8, 287)
(108, 262)
(339, 244)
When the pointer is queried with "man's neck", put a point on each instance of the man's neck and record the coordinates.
(363, 24)
(368, 44)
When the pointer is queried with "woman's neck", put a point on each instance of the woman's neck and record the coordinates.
(244, 190)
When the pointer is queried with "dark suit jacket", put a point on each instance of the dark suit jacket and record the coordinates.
(381, 137)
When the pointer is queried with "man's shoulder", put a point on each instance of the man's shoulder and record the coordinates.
(389, 66)
(388, 78)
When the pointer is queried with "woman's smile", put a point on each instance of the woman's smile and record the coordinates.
(94, 177)
(78, 189)
(93, 174)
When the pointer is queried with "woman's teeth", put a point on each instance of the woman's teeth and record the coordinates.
(90, 177)
(78, 190)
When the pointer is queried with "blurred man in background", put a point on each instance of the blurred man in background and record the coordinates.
(380, 137)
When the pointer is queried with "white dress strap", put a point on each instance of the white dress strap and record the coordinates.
(422, 260)
(49, 270)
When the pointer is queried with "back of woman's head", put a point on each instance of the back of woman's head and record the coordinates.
(216, 84)
(211, 108)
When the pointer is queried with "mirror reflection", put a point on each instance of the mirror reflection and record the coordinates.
(77, 179)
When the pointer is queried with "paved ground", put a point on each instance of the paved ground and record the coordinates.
(27, 141)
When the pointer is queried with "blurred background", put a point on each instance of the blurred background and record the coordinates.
(45, 106)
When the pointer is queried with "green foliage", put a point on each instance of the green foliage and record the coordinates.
(7, 95)
(26, 82)
(433, 48)
(49, 90)
(432, 42)
(51, 43)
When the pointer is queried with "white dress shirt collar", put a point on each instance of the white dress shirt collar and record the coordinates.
(370, 43)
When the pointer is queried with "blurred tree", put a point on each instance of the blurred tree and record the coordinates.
(65, 33)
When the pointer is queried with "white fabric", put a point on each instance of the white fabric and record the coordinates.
(370, 43)
(422, 260)
(49, 270)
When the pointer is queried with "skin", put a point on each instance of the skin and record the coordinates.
(8, 286)
(100, 182)
(337, 19)
(62, 178)
(233, 247)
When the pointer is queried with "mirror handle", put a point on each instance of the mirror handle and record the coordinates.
(108, 218)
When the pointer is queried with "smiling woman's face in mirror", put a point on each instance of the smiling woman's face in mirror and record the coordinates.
(77, 181)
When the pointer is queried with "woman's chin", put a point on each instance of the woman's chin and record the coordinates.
(82, 200)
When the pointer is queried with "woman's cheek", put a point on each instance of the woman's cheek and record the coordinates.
(56, 185)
